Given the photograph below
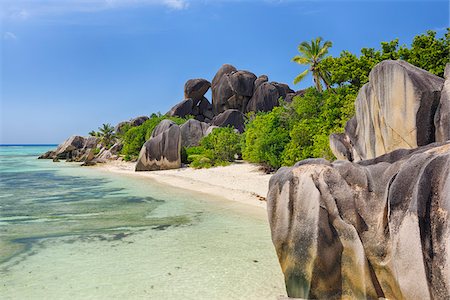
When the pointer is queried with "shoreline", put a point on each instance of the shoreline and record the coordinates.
(240, 182)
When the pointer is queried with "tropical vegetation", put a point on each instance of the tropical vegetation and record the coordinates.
(311, 54)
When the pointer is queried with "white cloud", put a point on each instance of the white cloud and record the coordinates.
(23, 9)
(176, 4)
(9, 36)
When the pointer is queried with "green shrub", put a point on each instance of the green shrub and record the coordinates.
(219, 148)
(224, 144)
(266, 136)
(135, 137)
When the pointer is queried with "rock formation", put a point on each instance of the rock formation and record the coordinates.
(378, 228)
(75, 148)
(163, 150)
(442, 117)
(196, 89)
(375, 224)
(230, 117)
(132, 123)
(396, 109)
(192, 132)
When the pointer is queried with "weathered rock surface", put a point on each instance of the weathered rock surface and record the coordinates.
(138, 121)
(290, 96)
(377, 228)
(265, 98)
(119, 128)
(192, 132)
(232, 89)
(75, 148)
(182, 109)
(395, 110)
(442, 117)
(163, 126)
(260, 80)
(231, 117)
(163, 150)
(196, 89)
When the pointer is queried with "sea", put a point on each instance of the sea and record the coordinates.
(72, 232)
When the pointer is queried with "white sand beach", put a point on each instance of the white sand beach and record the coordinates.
(240, 181)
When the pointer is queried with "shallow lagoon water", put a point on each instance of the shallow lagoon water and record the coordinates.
(80, 233)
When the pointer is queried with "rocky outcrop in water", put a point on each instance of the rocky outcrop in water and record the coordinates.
(396, 109)
(163, 150)
(75, 148)
(378, 228)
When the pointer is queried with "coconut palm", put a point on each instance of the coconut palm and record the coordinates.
(93, 133)
(311, 54)
(107, 135)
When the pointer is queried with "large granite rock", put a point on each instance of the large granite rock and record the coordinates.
(374, 229)
(138, 121)
(192, 132)
(231, 89)
(75, 148)
(163, 150)
(120, 127)
(181, 109)
(230, 117)
(265, 98)
(396, 109)
(442, 117)
(196, 89)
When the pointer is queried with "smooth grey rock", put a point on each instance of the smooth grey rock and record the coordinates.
(192, 132)
(242, 82)
(196, 89)
(375, 229)
(283, 89)
(442, 117)
(181, 109)
(396, 109)
(163, 126)
(210, 129)
(74, 148)
(162, 151)
(138, 121)
(260, 80)
(290, 96)
(119, 128)
(231, 117)
(265, 98)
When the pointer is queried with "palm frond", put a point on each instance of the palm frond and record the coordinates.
(301, 60)
(301, 76)
(324, 49)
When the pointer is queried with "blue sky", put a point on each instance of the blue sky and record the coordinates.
(69, 66)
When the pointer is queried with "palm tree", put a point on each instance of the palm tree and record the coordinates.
(93, 133)
(107, 135)
(311, 54)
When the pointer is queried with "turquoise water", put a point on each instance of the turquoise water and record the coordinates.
(72, 232)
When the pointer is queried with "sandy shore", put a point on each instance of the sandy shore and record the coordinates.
(242, 182)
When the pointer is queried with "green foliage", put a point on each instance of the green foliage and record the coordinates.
(427, 52)
(311, 54)
(265, 137)
(224, 143)
(219, 148)
(317, 115)
(106, 135)
(298, 130)
(135, 137)
(96, 151)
